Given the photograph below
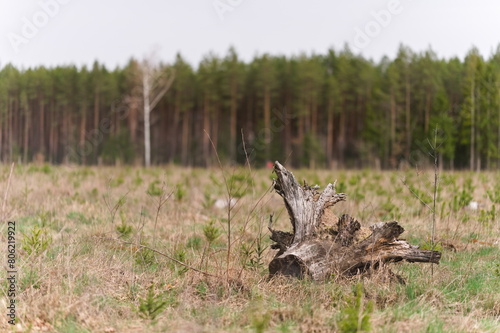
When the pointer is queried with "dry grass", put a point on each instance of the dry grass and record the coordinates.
(82, 281)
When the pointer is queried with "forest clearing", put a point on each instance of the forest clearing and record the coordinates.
(250, 166)
(84, 239)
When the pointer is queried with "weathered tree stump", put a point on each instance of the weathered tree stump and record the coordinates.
(322, 245)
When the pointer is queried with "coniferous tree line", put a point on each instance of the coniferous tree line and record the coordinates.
(332, 110)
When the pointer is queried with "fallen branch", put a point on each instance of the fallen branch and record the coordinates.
(158, 252)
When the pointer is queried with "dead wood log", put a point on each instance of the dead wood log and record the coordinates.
(321, 245)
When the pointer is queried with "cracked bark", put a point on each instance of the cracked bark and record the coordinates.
(320, 250)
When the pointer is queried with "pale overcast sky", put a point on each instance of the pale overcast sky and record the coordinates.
(58, 32)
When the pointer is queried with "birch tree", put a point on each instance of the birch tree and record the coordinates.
(156, 81)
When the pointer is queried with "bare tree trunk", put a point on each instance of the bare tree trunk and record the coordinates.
(314, 129)
(15, 129)
(408, 118)
(185, 138)
(133, 106)
(427, 112)
(26, 135)
(287, 127)
(341, 143)
(116, 125)
(267, 121)
(206, 127)
(314, 117)
(64, 134)
(41, 125)
(174, 132)
(233, 114)
(50, 126)
(69, 137)
(155, 85)
(83, 126)
(147, 124)
(472, 125)
(215, 126)
(53, 141)
(329, 138)
(96, 117)
(321, 245)
(300, 137)
(393, 131)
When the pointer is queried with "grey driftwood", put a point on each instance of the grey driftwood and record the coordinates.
(322, 246)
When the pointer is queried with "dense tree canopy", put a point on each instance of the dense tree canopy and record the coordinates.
(332, 110)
